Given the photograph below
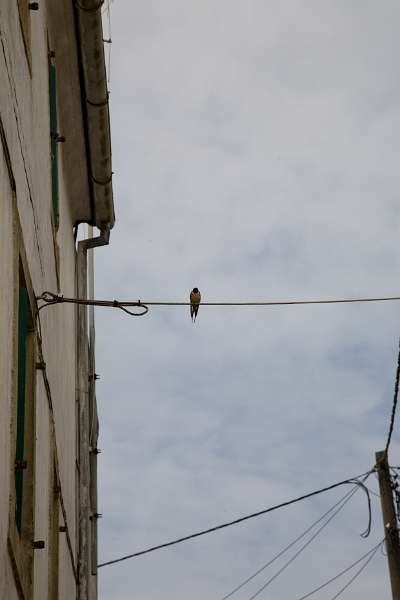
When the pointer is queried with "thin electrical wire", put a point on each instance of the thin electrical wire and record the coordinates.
(302, 548)
(357, 574)
(343, 572)
(49, 298)
(288, 547)
(394, 405)
(372, 492)
(343, 501)
(352, 480)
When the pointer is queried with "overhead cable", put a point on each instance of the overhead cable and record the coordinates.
(357, 573)
(302, 548)
(289, 546)
(335, 509)
(368, 555)
(49, 298)
(394, 405)
(352, 480)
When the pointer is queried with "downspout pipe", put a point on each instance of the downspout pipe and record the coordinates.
(94, 427)
(85, 395)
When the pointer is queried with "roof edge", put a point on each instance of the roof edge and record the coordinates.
(95, 109)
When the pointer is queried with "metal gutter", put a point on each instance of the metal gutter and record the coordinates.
(95, 109)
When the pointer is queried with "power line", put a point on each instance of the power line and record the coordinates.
(372, 492)
(360, 570)
(297, 539)
(394, 406)
(370, 554)
(50, 298)
(354, 480)
(337, 507)
(302, 548)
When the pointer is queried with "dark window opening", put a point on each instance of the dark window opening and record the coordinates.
(24, 416)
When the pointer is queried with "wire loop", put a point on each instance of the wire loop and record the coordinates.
(234, 522)
(133, 314)
(360, 484)
(51, 298)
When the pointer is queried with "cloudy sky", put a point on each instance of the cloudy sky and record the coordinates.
(255, 150)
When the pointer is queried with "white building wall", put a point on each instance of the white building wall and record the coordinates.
(24, 114)
(42, 500)
(7, 587)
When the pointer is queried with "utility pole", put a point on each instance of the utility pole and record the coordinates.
(389, 523)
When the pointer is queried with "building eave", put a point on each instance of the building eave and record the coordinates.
(95, 109)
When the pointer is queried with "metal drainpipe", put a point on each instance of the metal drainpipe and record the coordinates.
(94, 426)
(85, 390)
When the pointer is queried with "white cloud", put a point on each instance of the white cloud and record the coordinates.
(255, 148)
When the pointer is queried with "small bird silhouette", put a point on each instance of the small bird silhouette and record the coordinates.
(195, 299)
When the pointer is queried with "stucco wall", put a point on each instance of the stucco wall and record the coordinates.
(7, 587)
(24, 114)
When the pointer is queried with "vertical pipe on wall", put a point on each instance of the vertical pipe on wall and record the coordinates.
(94, 427)
(85, 390)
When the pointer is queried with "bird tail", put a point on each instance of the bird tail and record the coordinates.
(195, 311)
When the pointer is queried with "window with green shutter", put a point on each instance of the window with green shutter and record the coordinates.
(53, 141)
(22, 348)
(24, 408)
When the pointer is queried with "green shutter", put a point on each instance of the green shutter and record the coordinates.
(19, 450)
(53, 143)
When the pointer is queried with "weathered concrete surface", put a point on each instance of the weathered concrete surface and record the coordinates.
(50, 257)
(7, 587)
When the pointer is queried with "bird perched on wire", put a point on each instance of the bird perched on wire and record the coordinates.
(195, 299)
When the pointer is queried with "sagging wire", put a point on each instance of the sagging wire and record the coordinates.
(361, 485)
(357, 573)
(335, 509)
(372, 492)
(368, 556)
(394, 404)
(304, 546)
(265, 511)
(49, 298)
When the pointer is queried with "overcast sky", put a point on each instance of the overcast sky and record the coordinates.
(256, 153)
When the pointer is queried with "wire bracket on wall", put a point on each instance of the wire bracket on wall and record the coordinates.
(50, 298)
